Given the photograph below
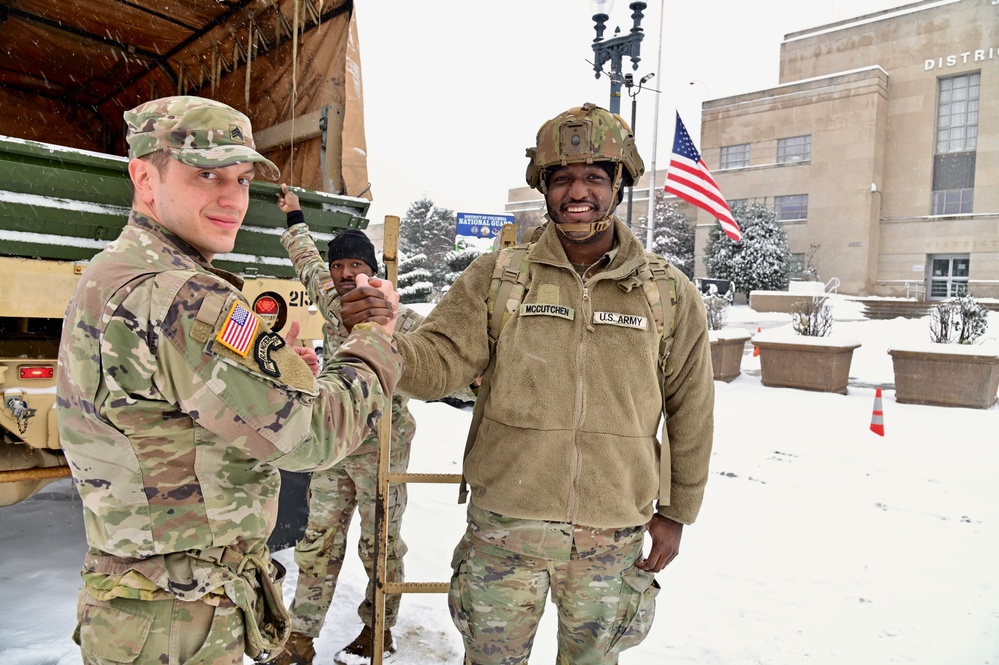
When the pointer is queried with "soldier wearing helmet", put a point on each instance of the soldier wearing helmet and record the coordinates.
(587, 136)
(581, 357)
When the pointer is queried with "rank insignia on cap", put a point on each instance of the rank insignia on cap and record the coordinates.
(238, 330)
(236, 135)
(266, 344)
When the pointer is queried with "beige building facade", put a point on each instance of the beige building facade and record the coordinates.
(878, 150)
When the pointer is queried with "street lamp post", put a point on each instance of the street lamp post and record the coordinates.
(629, 83)
(615, 48)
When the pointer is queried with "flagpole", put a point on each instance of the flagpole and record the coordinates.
(650, 220)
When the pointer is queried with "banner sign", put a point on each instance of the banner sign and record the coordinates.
(475, 225)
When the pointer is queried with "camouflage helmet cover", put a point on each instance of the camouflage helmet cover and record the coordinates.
(195, 131)
(584, 134)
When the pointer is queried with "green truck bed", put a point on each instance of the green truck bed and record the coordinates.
(65, 204)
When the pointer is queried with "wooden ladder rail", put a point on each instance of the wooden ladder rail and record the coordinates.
(381, 587)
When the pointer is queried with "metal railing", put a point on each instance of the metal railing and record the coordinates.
(831, 287)
(913, 288)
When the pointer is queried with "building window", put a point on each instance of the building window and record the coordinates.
(737, 203)
(953, 201)
(734, 156)
(794, 149)
(949, 275)
(957, 113)
(957, 141)
(793, 208)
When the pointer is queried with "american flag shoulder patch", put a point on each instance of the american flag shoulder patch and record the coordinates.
(329, 286)
(238, 329)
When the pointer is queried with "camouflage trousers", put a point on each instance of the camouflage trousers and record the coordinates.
(333, 496)
(605, 604)
(159, 632)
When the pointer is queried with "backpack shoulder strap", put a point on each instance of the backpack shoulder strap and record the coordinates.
(506, 291)
(660, 289)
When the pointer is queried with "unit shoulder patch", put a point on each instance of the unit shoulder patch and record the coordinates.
(267, 343)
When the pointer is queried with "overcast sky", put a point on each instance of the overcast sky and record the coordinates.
(456, 90)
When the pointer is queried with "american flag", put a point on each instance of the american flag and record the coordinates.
(688, 177)
(239, 328)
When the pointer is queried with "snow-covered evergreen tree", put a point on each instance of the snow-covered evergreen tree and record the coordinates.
(760, 261)
(414, 283)
(429, 230)
(459, 259)
(673, 234)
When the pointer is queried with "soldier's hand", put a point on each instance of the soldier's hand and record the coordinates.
(372, 300)
(665, 543)
(305, 353)
(287, 200)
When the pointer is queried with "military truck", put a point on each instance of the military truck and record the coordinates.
(71, 69)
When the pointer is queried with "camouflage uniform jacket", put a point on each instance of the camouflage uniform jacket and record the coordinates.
(569, 427)
(175, 440)
(314, 273)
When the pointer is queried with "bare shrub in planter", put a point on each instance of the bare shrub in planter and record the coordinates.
(716, 306)
(812, 318)
(960, 320)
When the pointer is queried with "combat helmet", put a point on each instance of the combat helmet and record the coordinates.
(586, 134)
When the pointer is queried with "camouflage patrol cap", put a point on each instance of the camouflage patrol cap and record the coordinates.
(195, 131)
(583, 135)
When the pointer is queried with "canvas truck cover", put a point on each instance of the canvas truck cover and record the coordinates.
(72, 67)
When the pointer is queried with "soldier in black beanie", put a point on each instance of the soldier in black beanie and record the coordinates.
(351, 244)
(336, 493)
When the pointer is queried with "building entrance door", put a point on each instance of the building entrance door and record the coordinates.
(948, 276)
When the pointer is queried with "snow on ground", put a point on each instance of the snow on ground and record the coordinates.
(819, 542)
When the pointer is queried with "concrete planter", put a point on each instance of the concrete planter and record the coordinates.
(807, 363)
(727, 348)
(946, 375)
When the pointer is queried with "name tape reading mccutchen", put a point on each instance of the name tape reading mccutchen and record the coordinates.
(542, 309)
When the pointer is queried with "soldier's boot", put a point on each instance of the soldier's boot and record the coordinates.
(362, 644)
(298, 650)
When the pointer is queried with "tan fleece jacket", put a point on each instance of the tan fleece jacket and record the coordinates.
(569, 428)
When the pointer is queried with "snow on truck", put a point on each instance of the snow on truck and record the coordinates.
(70, 70)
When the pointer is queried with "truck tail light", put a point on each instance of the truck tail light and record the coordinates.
(266, 306)
(272, 308)
(36, 371)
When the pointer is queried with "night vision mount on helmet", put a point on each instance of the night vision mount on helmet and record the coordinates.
(585, 135)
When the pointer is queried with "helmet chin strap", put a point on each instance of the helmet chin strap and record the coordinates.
(593, 227)
(602, 224)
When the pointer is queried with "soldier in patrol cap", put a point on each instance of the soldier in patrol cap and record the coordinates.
(566, 472)
(177, 405)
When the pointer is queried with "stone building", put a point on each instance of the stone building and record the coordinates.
(878, 150)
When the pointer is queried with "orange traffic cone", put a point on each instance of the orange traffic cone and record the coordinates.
(878, 417)
(756, 349)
